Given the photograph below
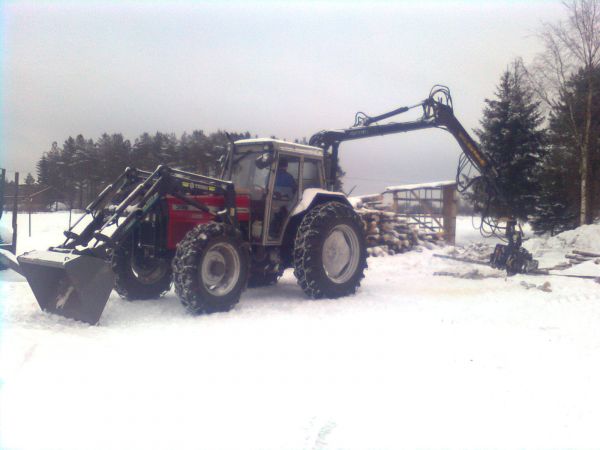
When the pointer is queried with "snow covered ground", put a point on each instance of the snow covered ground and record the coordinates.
(412, 360)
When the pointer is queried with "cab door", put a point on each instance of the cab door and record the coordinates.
(285, 189)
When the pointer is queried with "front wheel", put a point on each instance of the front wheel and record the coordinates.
(210, 269)
(139, 277)
(329, 251)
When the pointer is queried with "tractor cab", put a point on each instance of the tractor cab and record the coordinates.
(274, 174)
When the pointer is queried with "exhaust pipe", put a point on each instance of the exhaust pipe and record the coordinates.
(68, 284)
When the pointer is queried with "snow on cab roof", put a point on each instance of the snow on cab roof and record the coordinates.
(276, 141)
(410, 187)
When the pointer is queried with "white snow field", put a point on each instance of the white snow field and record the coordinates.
(413, 360)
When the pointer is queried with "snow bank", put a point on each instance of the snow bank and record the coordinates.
(585, 238)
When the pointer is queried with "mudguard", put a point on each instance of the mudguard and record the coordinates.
(313, 196)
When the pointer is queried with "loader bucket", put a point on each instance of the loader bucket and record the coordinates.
(67, 284)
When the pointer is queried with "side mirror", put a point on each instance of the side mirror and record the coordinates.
(264, 160)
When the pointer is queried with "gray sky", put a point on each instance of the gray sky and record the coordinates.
(287, 69)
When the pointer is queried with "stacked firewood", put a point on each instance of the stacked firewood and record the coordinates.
(388, 233)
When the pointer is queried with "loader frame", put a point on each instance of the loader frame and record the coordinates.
(130, 198)
(75, 279)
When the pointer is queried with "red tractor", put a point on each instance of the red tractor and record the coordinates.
(273, 208)
(209, 237)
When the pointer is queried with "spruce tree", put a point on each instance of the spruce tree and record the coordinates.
(512, 137)
(42, 170)
(557, 204)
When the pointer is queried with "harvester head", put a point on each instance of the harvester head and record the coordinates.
(68, 284)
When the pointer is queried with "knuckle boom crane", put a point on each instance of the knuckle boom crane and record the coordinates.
(438, 113)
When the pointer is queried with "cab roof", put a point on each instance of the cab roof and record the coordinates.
(283, 146)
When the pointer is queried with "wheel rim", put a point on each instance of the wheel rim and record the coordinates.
(341, 253)
(149, 271)
(220, 269)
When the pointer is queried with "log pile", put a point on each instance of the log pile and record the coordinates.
(388, 233)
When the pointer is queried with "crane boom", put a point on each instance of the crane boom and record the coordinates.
(437, 113)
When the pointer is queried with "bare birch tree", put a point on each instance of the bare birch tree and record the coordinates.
(572, 46)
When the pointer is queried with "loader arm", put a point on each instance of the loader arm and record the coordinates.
(127, 201)
(75, 279)
(437, 113)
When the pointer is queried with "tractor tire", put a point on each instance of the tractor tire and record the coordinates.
(330, 254)
(140, 279)
(210, 269)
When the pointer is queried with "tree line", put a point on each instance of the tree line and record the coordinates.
(78, 169)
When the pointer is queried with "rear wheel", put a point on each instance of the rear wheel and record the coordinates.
(329, 251)
(210, 269)
(138, 277)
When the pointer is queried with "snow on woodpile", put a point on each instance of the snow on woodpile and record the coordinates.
(389, 233)
(411, 187)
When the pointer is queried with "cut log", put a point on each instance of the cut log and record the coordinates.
(587, 254)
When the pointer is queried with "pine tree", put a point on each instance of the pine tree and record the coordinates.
(42, 170)
(115, 155)
(511, 135)
(55, 169)
(195, 149)
(85, 166)
(66, 172)
(557, 206)
(142, 153)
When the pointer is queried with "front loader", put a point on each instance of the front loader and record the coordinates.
(125, 240)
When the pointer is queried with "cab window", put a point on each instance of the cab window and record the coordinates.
(248, 177)
(311, 178)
